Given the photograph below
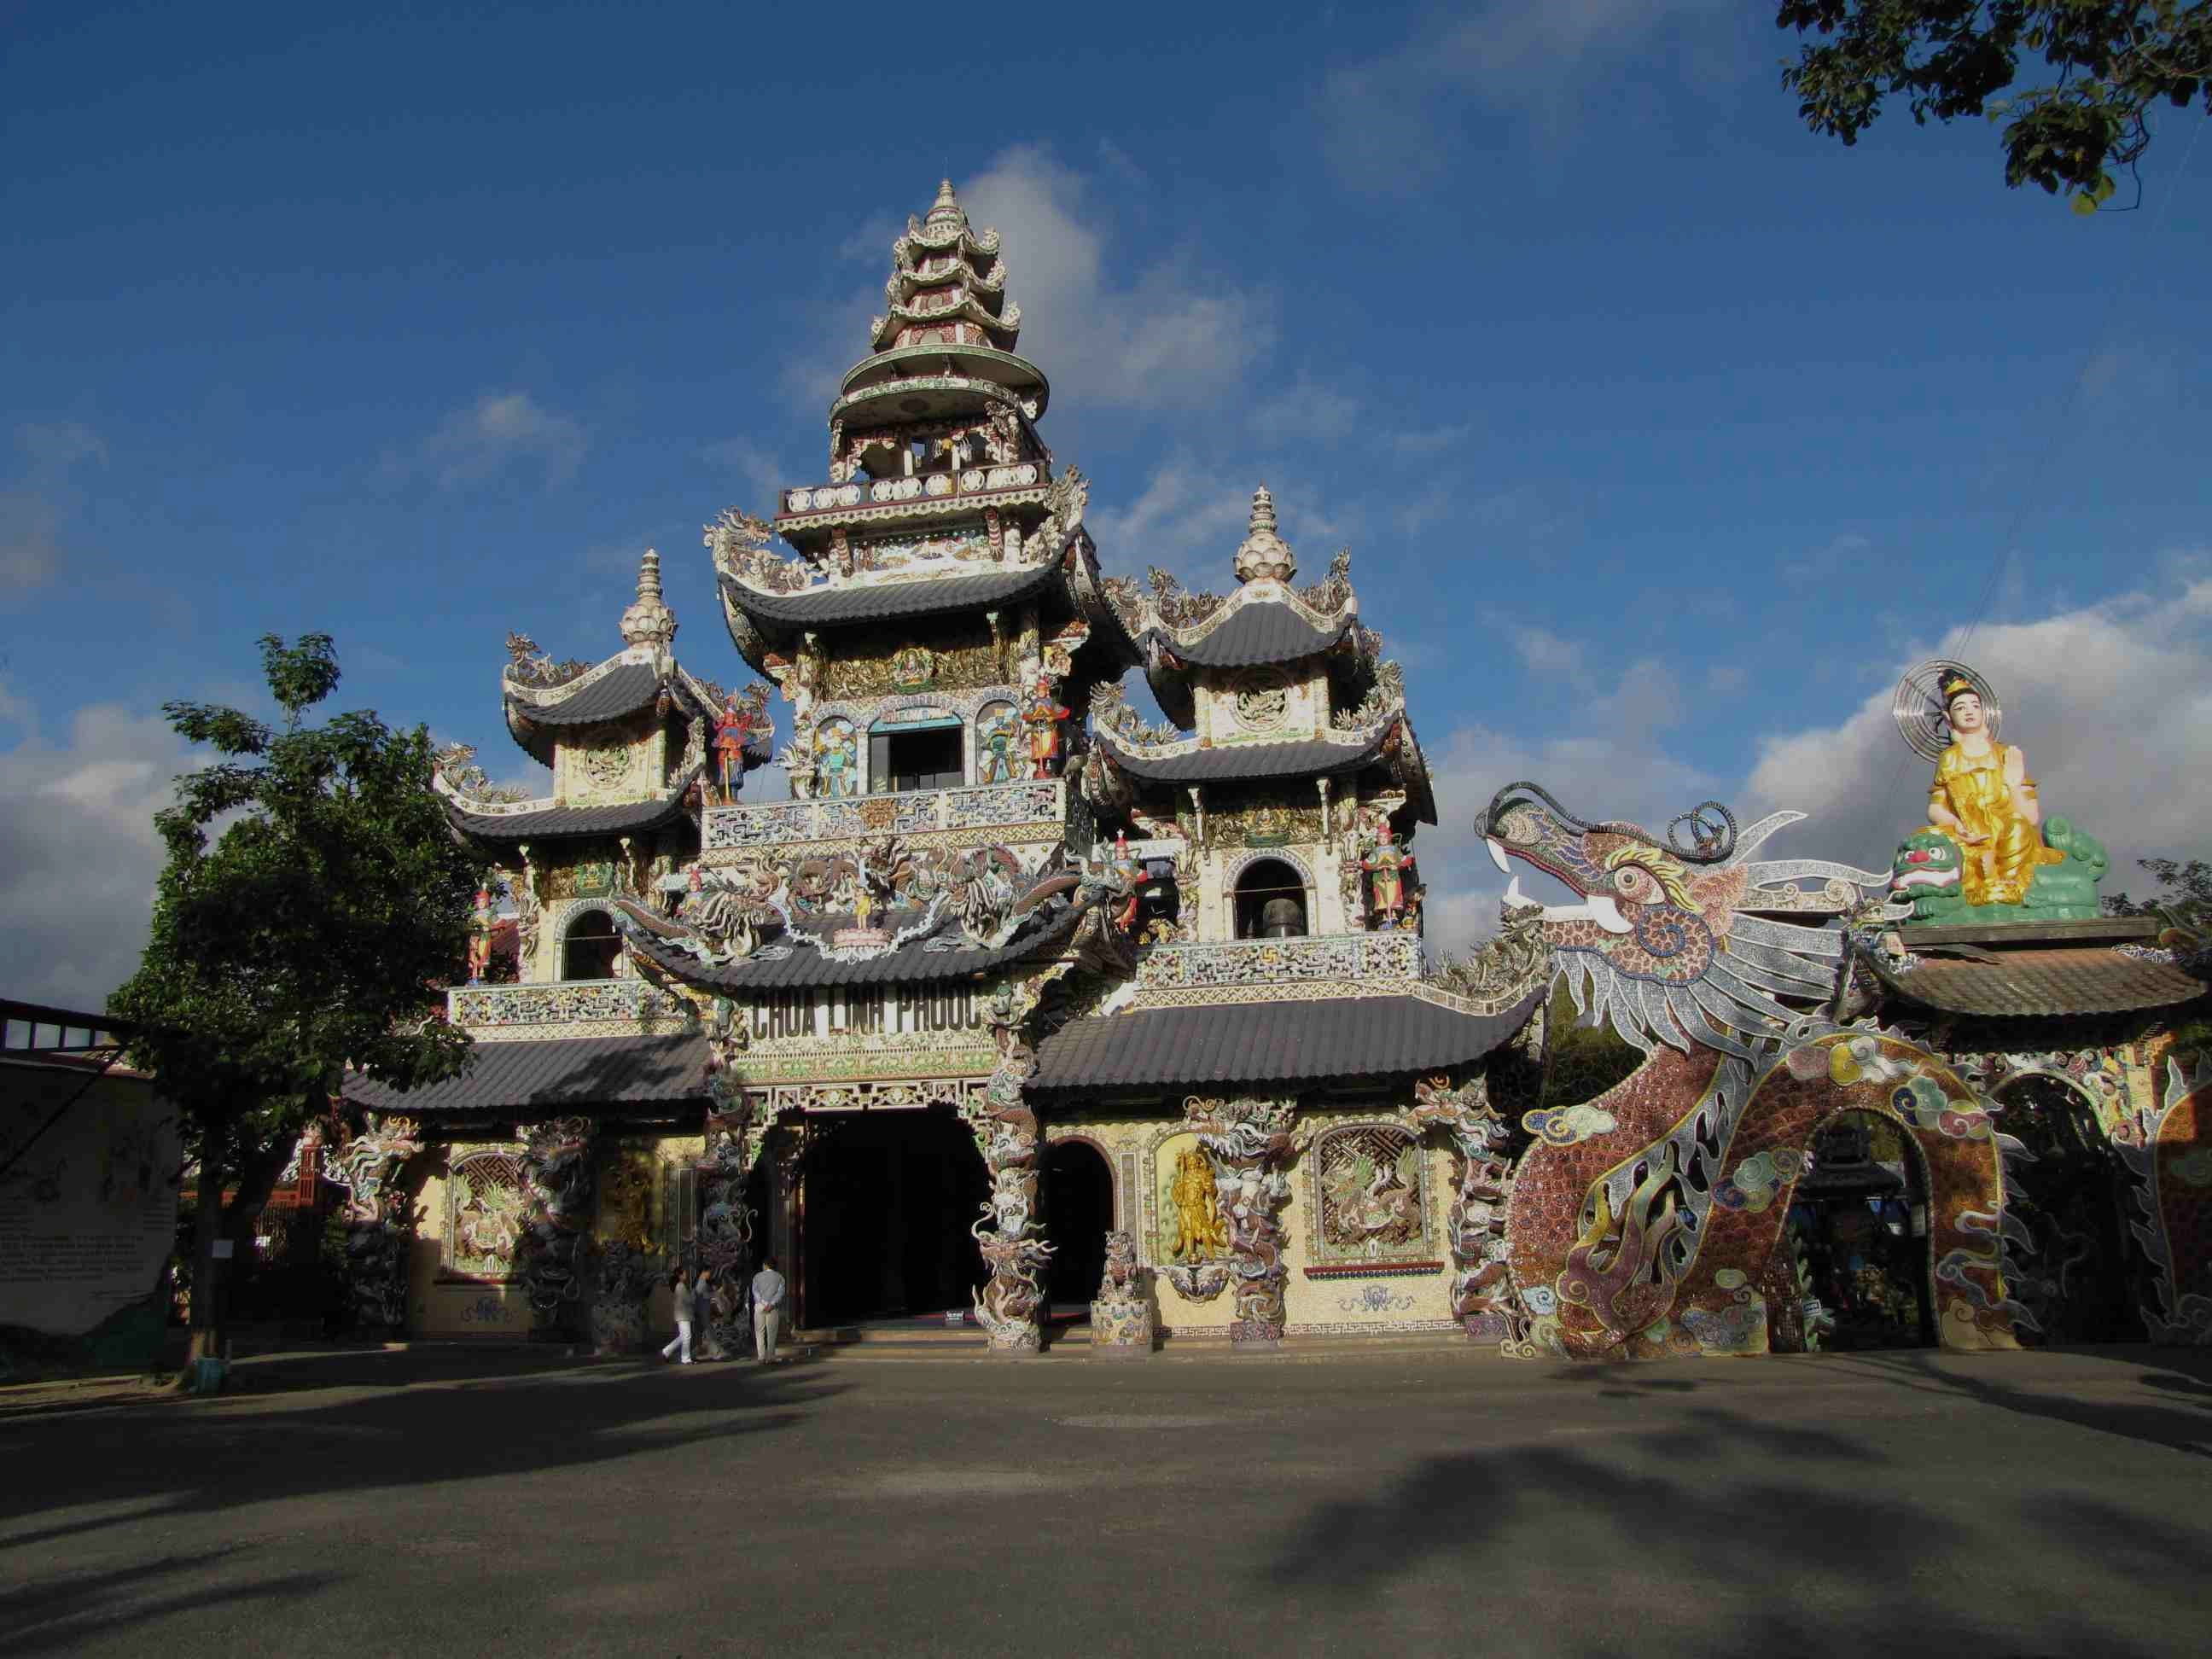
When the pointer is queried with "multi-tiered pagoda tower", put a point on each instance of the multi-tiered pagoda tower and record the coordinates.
(1010, 973)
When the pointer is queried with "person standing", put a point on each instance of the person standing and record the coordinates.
(702, 1309)
(767, 1310)
(682, 1286)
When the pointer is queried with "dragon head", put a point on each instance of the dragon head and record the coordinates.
(1927, 860)
(1668, 938)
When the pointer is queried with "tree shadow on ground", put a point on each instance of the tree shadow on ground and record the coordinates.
(2184, 1427)
(1710, 1530)
(56, 1614)
(438, 1417)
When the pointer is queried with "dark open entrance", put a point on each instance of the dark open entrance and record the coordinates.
(1079, 1208)
(1271, 901)
(927, 758)
(591, 947)
(2074, 1273)
(887, 1203)
(1859, 1225)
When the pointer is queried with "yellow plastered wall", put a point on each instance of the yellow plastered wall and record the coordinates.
(1347, 1305)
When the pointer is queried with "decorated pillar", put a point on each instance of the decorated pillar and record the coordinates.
(1483, 1299)
(1250, 1141)
(557, 1173)
(726, 1222)
(379, 1219)
(1009, 1232)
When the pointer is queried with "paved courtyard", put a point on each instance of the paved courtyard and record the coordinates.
(1418, 1500)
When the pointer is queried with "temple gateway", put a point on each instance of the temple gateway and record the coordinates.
(1028, 1016)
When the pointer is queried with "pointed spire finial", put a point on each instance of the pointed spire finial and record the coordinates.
(947, 205)
(648, 621)
(1263, 553)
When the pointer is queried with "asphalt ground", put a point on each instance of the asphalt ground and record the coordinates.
(1419, 1498)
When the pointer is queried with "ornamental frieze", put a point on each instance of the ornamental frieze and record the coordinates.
(910, 667)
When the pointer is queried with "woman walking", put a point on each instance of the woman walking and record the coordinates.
(682, 1287)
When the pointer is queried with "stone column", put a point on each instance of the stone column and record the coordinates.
(1008, 1231)
(556, 1172)
(1483, 1298)
(380, 1220)
(1249, 1141)
(726, 1223)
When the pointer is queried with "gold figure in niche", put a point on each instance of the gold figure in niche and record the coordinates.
(1200, 1229)
(1983, 799)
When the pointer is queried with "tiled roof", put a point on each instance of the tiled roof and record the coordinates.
(543, 1077)
(624, 690)
(1231, 762)
(556, 822)
(910, 965)
(1262, 1043)
(1258, 632)
(2079, 980)
(840, 605)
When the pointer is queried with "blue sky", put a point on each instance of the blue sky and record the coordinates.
(1663, 434)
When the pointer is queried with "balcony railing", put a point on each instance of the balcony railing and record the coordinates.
(561, 1002)
(969, 481)
(1352, 957)
(845, 818)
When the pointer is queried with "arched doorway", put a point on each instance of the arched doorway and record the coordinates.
(2072, 1278)
(1858, 1226)
(590, 946)
(886, 1200)
(1271, 901)
(1079, 1209)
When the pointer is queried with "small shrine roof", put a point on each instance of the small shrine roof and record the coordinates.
(543, 822)
(1256, 633)
(879, 601)
(624, 690)
(546, 1076)
(2064, 979)
(1231, 763)
(795, 963)
(1295, 1041)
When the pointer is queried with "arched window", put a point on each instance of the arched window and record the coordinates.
(1271, 901)
(591, 947)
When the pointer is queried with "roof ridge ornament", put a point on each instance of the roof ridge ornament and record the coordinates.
(946, 208)
(649, 620)
(1263, 555)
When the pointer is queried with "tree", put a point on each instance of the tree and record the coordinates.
(2185, 893)
(2112, 61)
(307, 939)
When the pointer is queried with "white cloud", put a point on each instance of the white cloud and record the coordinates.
(1189, 519)
(762, 474)
(32, 511)
(500, 430)
(1306, 412)
(78, 854)
(1385, 120)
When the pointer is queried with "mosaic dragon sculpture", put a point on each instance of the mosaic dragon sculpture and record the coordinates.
(379, 1219)
(1649, 1220)
(556, 1172)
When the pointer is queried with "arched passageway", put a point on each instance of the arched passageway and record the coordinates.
(2072, 1276)
(884, 1207)
(1858, 1225)
(1079, 1209)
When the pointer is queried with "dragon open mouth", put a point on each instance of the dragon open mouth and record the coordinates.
(1593, 908)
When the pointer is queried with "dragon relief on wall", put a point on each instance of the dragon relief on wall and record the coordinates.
(1649, 1220)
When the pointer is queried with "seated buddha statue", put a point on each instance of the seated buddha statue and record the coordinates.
(1983, 798)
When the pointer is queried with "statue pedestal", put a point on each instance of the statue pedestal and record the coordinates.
(1121, 1330)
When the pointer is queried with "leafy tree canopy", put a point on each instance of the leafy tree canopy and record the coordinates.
(2109, 62)
(2185, 892)
(308, 935)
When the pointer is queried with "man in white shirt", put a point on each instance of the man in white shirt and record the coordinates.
(767, 1310)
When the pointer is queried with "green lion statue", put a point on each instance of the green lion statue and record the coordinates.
(1928, 869)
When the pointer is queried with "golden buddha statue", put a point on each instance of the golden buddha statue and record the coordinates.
(1983, 798)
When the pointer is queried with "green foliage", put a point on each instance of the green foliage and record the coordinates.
(2185, 892)
(1582, 1061)
(2111, 62)
(308, 936)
